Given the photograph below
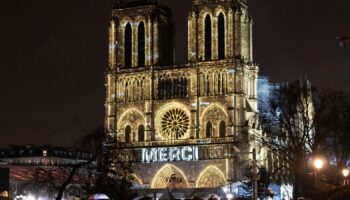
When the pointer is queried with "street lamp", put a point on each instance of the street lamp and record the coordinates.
(229, 196)
(345, 173)
(318, 164)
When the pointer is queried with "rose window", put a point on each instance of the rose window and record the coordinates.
(174, 123)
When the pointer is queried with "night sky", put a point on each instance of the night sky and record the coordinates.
(54, 53)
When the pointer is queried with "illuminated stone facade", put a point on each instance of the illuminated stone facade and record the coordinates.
(206, 105)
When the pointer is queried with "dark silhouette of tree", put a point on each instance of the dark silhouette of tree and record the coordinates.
(104, 172)
(332, 109)
(287, 122)
(112, 173)
(299, 122)
(113, 176)
(68, 180)
(333, 112)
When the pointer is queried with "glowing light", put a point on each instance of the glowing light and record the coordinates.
(30, 197)
(318, 163)
(137, 179)
(44, 152)
(98, 197)
(201, 103)
(345, 172)
(186, 153)
(231, 71)
(229, 196)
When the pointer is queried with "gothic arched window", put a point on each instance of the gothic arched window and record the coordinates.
(176, 87)
(126, 91)
(208, 130)
(141, 133)
(127, 133)
(222, 129)
(160, 88)
(127, 46)
(141, 88)
(221, 36)
(169, 88)
(219, 84)
(141, 45)
(207, 38)
(208, 85)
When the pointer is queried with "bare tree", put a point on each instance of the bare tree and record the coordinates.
(112, 174)
(333, 114)
(54, 180)
(105, 172)
(287, 121)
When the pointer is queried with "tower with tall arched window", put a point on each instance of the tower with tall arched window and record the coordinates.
(182, 121)
(141, 35)
(219, 30)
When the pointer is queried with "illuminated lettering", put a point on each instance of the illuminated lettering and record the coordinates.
(174, 154)
(186, 153)
(165, 154)
(149, 155)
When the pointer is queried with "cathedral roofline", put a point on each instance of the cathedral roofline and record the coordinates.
(217, 63)
(244, 2)
(120, 4)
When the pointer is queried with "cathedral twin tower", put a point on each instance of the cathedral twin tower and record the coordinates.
(181, 119)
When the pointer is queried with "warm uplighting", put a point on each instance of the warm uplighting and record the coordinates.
(345, 172)
(318, 163)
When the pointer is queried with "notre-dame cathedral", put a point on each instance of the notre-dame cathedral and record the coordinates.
(184, 121)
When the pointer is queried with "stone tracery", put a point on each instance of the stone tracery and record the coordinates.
(169, 176)
(157, 102)
(211, 177)
(215, 114)
(130, 118)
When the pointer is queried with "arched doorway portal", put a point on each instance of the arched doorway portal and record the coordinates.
(169, 176)
(210, 177)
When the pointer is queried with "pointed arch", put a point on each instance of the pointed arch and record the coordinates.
(127, 46)
(141, 45)
(136, 179)
(213, 106)
(214, 113)
(222, 129)
(131, 111)
(211, 177)
(127, 134)
(217, 83)
(141, 133)
(207, 37)
(126, 91)
(221, 36)
(131, 117)
(208, 130)
(208, 85)
(169, 176)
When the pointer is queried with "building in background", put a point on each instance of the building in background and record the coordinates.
(33, 167)
(185, 123)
